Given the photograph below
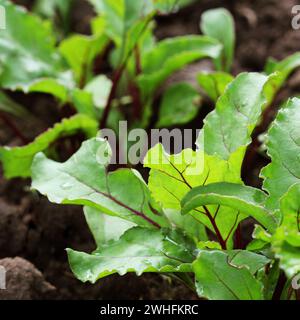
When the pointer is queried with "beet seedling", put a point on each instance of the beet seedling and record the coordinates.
(177, 223)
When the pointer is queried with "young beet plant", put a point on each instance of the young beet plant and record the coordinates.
(163, 226)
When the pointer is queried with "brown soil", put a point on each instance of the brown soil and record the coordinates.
(38, 231)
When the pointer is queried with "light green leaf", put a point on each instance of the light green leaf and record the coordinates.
(219, 24)
(218, 279)
(100, 88)
(17, 160)
(121, 15)
(112, 12)
(83, 102)
(243, 258)
(80, 52)
(290, 210)
(283, 143)
(214, 83)
(261, 238)
(104, 227)
(59, 88)
(139, 250)
(208, 245)
(285, 67)
(83, 180)
(187, 224)
(171, 6)
(247, 200)
(180, 104)
(261, 234)
(171, 55)
(27, 51)
(173, 176)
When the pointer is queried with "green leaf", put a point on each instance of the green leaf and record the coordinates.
(139, 250)
(283, 144)
(261, 238)
(17, 160)
(48, 8)
(10, 106)
(219, 24)
(260, 233)
(247, 200)
(171, 6)
(83, 180)
(80, 52)
(222, 147)
(56, 10)
(214, 83)
(287, 249)
(171, 55)
(286, 241)
(100, 88)
(186, 224)
(285, 67)
(104, 227)
(242, 103)
(83, 103)
(218, 279)
(113, 12)
(243, 258)
(27, 51)
(173, 176)
(121, 15)
(208, 245)
(59, 88)
(180, 105)
(270, 279)
(290, 210)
